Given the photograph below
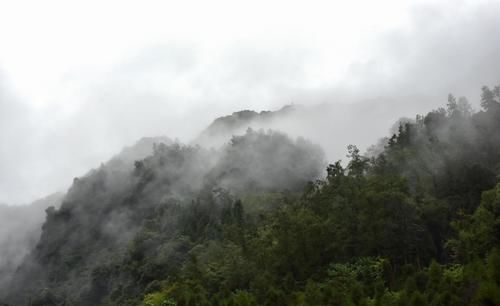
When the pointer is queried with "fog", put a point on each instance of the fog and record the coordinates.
(73, 96)
(17, 238)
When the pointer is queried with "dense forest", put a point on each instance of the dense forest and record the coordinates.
(416, 221)
(20, 231)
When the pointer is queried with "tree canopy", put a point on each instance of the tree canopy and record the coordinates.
(418, 223)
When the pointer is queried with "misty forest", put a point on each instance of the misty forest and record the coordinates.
(250, 153)
(266, 220)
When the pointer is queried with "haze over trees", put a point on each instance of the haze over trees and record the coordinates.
(259, 222)
(20, 232)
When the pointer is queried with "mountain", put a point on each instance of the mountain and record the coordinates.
(142, 148)
(363, 122)
(223, 128)
(20, 231)
(92, 234)
(22, 224)
(255, 223)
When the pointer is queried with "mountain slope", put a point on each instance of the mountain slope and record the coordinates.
(223, 128)
(254, 224)
(92, 235)
(22, 225)
(20, 232)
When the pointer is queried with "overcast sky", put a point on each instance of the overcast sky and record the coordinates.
(79, 80)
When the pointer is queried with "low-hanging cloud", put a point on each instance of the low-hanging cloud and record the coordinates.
(450, 48)
(178, 88)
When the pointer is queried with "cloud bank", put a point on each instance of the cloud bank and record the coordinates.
(176, 87)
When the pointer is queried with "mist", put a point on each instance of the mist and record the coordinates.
(20, 232)
(177, 86)
(147, 147)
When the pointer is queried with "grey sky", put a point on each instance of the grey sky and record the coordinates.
(79, 80)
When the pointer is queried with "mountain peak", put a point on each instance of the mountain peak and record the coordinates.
(222, 128)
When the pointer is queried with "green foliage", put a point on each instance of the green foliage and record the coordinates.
(417, 224)
(158, 299)
(480, 232)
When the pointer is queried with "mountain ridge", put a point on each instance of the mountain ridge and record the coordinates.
(255, 222)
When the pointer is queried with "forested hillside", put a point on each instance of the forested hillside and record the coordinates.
(222, 128)
(256, 223)
(20, 232)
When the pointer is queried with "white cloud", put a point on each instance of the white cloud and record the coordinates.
(83, 78)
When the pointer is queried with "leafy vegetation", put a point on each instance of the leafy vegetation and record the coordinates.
(416, 224)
